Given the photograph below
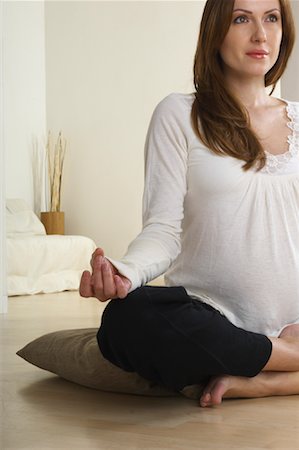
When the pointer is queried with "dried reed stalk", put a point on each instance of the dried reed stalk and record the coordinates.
(55, 156)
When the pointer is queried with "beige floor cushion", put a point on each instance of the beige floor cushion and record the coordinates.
(75, 356)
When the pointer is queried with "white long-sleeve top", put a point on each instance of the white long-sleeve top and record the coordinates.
(230, 237)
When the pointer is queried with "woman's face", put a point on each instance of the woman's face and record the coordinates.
(251, 46)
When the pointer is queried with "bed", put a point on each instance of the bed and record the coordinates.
(41, 263)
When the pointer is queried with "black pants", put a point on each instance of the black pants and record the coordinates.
(167, 337)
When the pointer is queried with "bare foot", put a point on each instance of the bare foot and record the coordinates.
(216, 390)
(290, 331)
(265, 384)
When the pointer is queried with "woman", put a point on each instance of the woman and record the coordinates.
(220, 216)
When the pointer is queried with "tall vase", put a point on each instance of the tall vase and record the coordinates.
(53, 221)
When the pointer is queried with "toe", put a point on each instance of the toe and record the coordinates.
(205, 399)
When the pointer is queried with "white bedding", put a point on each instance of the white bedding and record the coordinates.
(41, 263)
(44, 264)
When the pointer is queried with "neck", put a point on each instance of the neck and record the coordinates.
(250, 92)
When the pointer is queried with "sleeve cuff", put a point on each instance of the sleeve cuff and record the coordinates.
(127, 271)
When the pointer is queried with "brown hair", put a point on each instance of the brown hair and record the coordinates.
(223, 124)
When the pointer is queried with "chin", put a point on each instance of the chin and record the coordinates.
(249, 71)
(256, 72)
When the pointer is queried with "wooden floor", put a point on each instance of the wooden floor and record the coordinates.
(41, 411)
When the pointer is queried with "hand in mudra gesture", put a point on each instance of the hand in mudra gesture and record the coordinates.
(104, 282)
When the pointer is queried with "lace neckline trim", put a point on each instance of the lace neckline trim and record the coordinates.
(276, 163)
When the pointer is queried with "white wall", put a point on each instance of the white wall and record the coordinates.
(108, 64)
(24, 92)
(3, 291)
(290, 79)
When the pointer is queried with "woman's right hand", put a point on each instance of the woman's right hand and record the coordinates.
(104, 282)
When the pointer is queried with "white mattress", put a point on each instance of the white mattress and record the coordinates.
(46, 263)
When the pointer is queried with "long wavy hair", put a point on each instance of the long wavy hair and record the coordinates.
(219, 119)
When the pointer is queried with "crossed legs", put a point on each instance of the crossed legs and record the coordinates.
(280, 375)
(171, 339)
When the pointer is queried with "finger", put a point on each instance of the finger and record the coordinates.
(97, 279)
(122, 289)
(85, 288)
(108, 280)
(97, 252)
